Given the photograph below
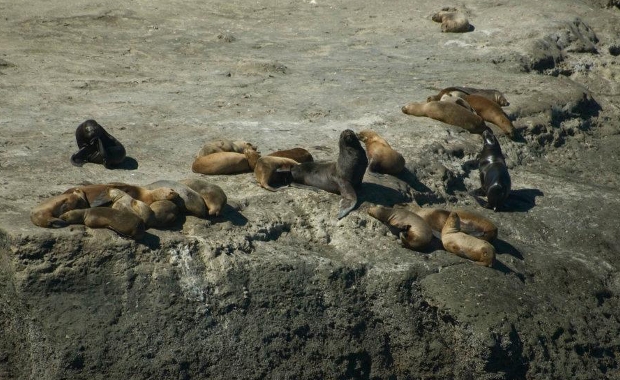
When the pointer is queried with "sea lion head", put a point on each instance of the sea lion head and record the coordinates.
(91, 130)
(349, 139)
(366, 135)
(489, 139)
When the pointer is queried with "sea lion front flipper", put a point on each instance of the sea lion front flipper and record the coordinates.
(80, 157)
(478, 192)
(349, 198)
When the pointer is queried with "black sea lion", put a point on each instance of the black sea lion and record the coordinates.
(381, 157)
(464, 245)
(97, 146)
(415, 233)
(494, 177)
(341, 177)
(123, 222)
(46, 214)
(449, 113)
(214, 197)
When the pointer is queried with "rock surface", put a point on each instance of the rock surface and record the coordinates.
(276, 287)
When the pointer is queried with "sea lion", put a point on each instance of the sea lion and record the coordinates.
(492, 95)
(224, 145)
(451, 97)
(270, 170)
(415, 232)
(300, 155)
(491, 112)
(46, 214)
(97, 194)
(472, 223)
(213, 195)
(341, 177)
(381, 157)
(449, 113)
(452, 21)
(97, 146)
(464, 245)
(494, 177)
(224, 163)
(123, 222)
(190, 201)
(123, 201)
(165, 213)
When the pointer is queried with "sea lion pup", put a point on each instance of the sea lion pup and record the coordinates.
(224, 163)
(464, 245)
(190, 201)
(472, 223)
(46, 214)
(491, 112)
(492, 95)
(381, 157)
(271, 170)
(341, 177)
(97, 146)
(224, 145)
(165, 213)
(213, 195)
(452, 21)
(97, 194)
(300, 155)
(123, 222)
(123, 201)
(494, 178)
(449, 113)
(415, 232)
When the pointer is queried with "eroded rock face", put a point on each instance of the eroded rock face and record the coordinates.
(276, 286)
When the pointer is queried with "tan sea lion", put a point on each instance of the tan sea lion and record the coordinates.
(415, 232)
(381, 157)
(298, 154)
(97, 194)
(123, 201)
(450, 97)
(271, 170)
(491, 112)
(449, 113)
(224, 163)
(224, 145)
(452, 21)
(493, 95)
(46, 214)
(165, 213)
(214, 197)
(464, 245)
(190, 201)
(471, 222)
(123, 222)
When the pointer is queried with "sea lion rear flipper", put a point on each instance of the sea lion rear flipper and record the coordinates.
(58, 223)
(349, 198)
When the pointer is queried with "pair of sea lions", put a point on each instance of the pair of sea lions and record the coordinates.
(381, 157)
(452, 21)
(97, 146)
(342, 177)
(464, 233)
(47, 213)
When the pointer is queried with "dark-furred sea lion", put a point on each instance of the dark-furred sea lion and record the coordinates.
(97, 146)
(494, 178)
(464, 245)
(415, 233)
(341, 177)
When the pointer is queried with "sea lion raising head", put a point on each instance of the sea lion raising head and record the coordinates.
(494, 177)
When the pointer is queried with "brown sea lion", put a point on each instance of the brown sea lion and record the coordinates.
(97, 194)
(213, 195)
(341, 177)
(492, 95)
(491, 112)
(225, 163)
(165, 213)
(472, 222)
(123, 222)
(494, 177)
(452, 21)
(415, 232)
(190, 202)
(273, 170)
(123, 201)
(97, 146)
(224, 145)
(298, 154)
(381, 157)
(449, 113)
(46, 214)
(464, 245)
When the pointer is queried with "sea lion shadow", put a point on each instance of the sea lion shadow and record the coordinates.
(380, 194)
(129, 163)
(231, 214)
(520, 200)
(498, 265)
(503, 246)
(150, 240)
(410, 179)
